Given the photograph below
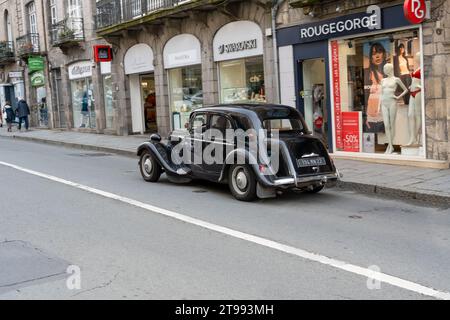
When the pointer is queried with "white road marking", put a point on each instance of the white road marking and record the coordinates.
(382, 277)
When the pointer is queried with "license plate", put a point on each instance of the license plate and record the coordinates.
(312, 162)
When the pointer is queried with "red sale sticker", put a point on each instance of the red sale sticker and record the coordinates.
(415, 10)
(352, 131)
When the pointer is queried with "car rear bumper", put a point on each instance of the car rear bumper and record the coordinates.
(327, 180)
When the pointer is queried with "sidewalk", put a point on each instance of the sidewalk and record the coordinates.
(425, 185)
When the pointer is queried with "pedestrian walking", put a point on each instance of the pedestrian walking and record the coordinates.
(9, 115)
(23, 111)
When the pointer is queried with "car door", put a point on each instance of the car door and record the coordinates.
(198, 126)
(216, 144)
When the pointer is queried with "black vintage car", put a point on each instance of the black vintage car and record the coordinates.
(219, 146)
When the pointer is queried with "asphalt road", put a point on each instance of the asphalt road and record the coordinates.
(127, 252)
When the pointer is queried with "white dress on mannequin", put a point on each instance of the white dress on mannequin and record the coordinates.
(388, 103)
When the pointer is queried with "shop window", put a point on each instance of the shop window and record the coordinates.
(186, 94)
(367, 94)
(107, 93)
(83, 103)
(242, 81)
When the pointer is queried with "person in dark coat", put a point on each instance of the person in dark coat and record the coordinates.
(23, 111)
(9, 115)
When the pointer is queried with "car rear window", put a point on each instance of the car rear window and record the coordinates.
(282, 125)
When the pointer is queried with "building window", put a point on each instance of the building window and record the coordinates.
(83, 103)
(31, 11)
(186, 94)
(242, 80)
(366, 92)
(53, 12)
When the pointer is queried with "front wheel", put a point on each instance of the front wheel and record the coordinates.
(242, 183)
(150, 169)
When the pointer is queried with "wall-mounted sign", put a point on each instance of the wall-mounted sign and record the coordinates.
(35, 64)
(182, 50)
(352, 131)
(80, 70)
(105, 67)
(37, 79)
(139, 59)
(363, 22)
(103, 53)
(15, 75)
(415, 11)
(232, 43)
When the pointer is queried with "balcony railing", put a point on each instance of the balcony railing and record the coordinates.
(67, 31)
(28, 44)
(112, 12)
(6, 51)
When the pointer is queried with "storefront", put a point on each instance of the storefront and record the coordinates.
(139, 68)
(358, 79)
(183, 63)
(240, 62)
(82, 94)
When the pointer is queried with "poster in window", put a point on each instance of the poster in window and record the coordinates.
(376, 55)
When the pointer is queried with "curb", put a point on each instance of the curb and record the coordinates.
(391, 193)
(74, 145)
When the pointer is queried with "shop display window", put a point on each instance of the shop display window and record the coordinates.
(83, 103)
(107, 93)
(242, 81)
(186, 94)
(377, 91)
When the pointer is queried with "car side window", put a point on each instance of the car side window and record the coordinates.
(199, 123)
(220, 123)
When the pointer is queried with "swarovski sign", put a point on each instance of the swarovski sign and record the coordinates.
(238, 46)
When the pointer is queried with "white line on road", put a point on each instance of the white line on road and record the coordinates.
(379, 276)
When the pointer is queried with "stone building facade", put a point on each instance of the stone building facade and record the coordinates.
(430, 39)
(202, 20)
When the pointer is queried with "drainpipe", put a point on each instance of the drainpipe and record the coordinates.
(275, 7)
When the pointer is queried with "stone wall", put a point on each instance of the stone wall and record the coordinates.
(204, 26)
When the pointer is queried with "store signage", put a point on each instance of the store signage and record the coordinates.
(105, 67)
(352, 131)
(15, 75)
(37, 79)
(35, 64)
(80, 70)
(139, 59)
(373, 19)
(102, 53)
(337, 94)
(238, 46)
(182, 58)
(415, 11)
(232, 43)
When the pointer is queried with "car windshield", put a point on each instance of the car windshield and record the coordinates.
(283, 125)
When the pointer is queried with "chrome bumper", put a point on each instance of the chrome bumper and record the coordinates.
(327, 180)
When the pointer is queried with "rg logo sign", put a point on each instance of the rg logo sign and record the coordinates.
(415, 11)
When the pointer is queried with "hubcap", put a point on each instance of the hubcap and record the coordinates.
(241, 180)
(148, 166)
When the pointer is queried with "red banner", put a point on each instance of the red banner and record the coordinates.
(351, 131)
(337, 94)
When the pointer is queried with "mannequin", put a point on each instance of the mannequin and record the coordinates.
(388, 103)
(415, 104)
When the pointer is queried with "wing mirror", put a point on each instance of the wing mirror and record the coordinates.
(155, 137)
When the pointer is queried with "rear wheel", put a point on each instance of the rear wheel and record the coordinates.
(242, 183)
(150, 169)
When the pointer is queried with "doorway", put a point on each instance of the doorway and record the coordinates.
(143, 103)
(313, 93)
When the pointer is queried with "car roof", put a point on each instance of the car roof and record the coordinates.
(262, 110)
